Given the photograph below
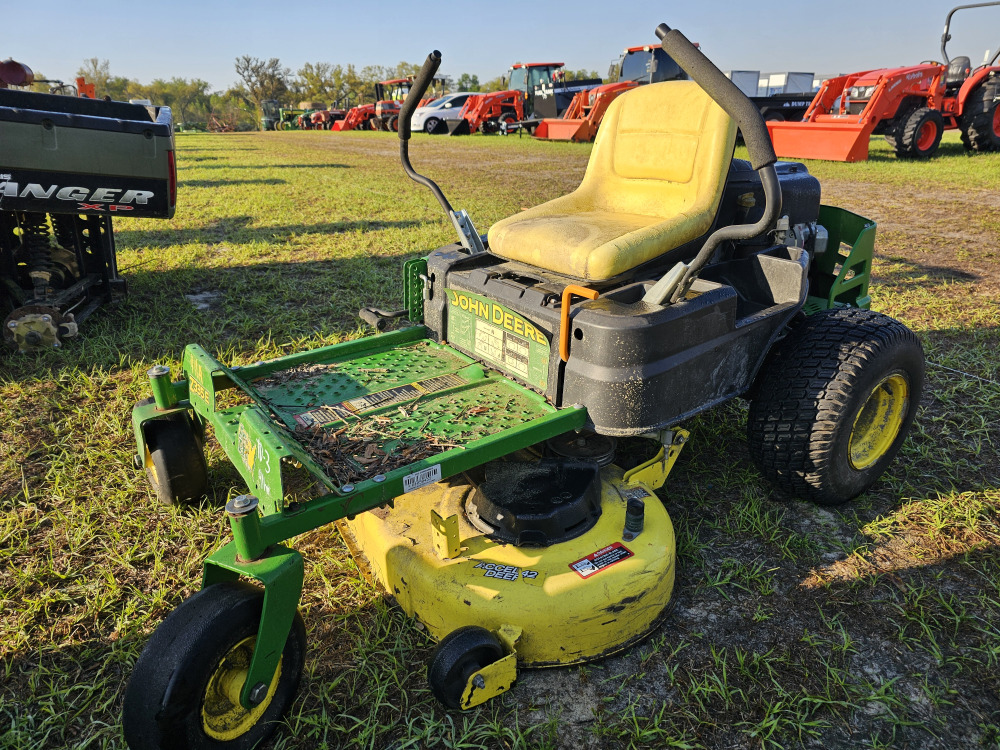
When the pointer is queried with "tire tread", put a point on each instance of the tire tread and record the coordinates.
(806, 384)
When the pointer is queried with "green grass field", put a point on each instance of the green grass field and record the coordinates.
(873, 625)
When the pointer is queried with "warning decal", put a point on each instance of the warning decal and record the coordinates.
(502, 347)
(354, 407)
(603, 558)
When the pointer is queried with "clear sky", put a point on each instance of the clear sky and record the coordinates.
(146, 40)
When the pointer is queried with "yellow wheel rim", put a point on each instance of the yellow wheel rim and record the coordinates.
(222, 716)
(879, 421)
(151, 467)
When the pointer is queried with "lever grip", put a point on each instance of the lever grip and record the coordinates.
(416, 93)
(723, 91)
(373, 319)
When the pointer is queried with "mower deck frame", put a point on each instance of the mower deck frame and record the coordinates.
(472, 415)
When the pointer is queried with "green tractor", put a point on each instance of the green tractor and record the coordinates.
(473, 458)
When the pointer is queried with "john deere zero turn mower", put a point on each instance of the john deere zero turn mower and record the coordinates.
(470, 458)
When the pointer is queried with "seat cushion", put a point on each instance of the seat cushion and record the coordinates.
(590, 245)
(653, 183)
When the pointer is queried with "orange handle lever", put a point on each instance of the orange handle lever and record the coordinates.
(567, 295)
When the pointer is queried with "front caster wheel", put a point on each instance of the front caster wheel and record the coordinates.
(458, 656)
(836, 400)
(184, 691)
(175, 459)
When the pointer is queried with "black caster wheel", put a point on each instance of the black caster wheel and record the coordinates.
(457, 657)
(184, 690)
(175, 459)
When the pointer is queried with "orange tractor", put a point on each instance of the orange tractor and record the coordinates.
(488, 113)
(383, 114)
(580, 121)
(911, 106)
(584, 114)
(495, 111)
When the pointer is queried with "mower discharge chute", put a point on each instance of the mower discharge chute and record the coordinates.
(471, 459)
(911, 106)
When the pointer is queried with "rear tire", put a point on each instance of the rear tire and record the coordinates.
(837, 398)
(980, 121)
(919, 135)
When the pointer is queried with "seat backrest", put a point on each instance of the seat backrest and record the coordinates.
(958, 69)
(662, 149)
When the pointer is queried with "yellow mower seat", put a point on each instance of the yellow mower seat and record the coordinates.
(653, 183)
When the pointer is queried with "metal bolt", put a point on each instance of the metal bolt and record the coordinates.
(258, 693)
(478, 681)
(158, 371)
(378, 478)
(635, 511)
(242, 505)
(46, 318)
(347, 488)
(12, 325)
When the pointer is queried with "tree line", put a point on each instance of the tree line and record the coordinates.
(194, 102)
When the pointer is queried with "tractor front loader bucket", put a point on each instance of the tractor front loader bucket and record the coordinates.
(558, 129)
(459, 127)
(832, 141)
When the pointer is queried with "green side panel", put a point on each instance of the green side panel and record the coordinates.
(261, 450)
(414, 272)
(841, 275)
(499, 336)
(200, 367)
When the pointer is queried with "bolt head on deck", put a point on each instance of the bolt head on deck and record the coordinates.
(241, 505)
(158, 371)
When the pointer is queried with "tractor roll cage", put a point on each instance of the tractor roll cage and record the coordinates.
(946, 36)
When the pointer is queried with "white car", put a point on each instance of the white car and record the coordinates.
(430, 117)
